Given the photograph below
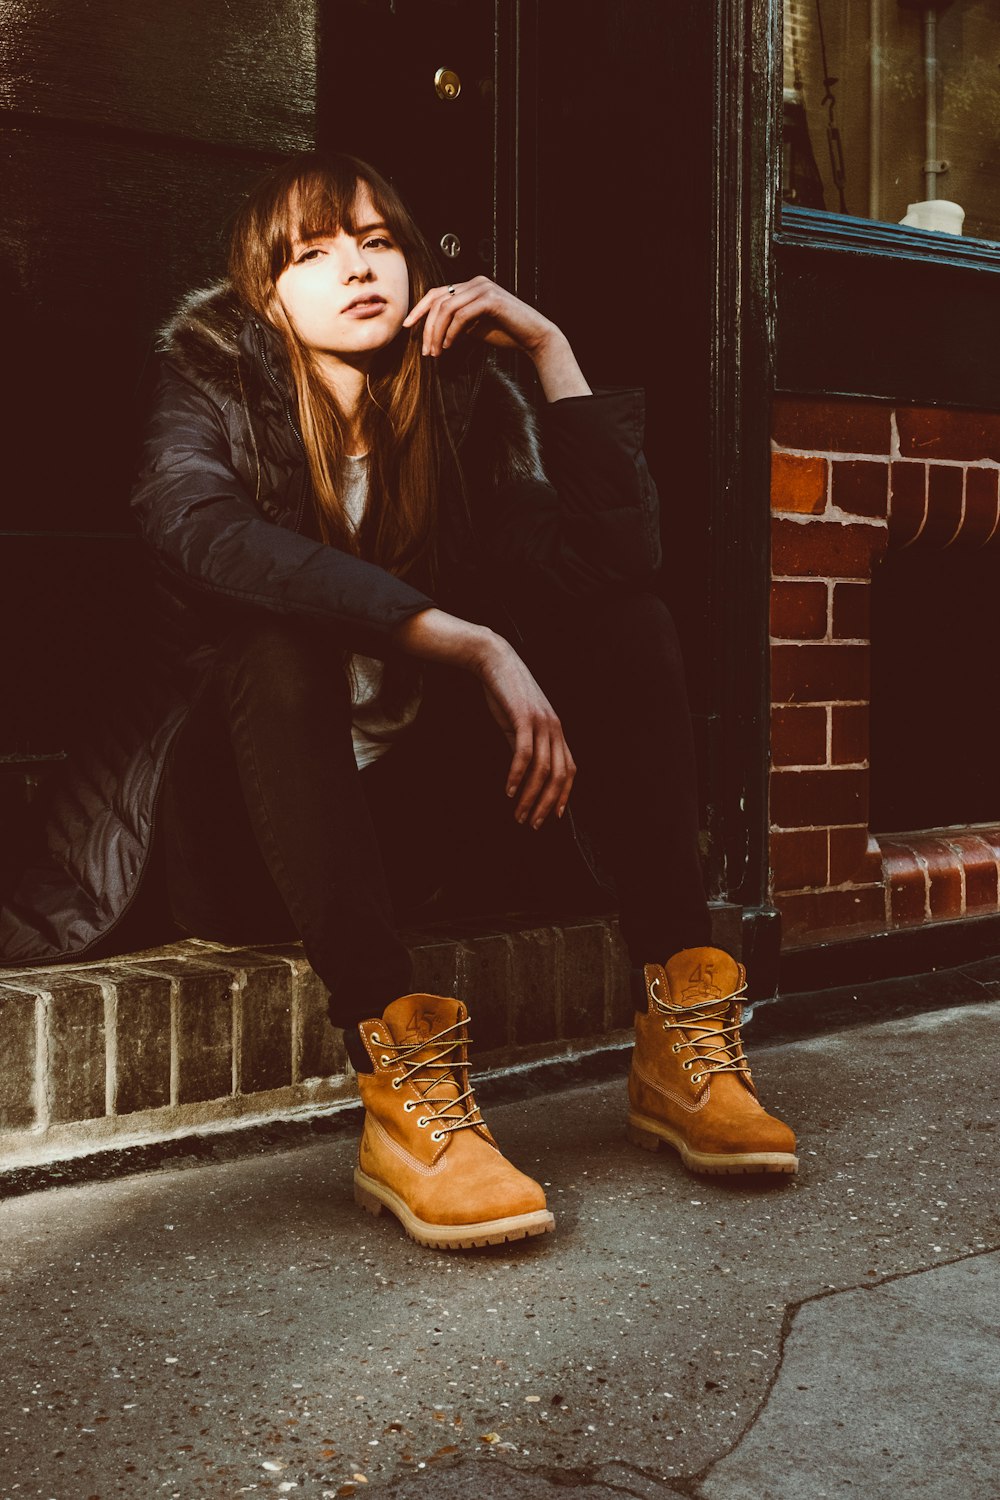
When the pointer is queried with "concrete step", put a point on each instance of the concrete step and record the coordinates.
(199, 1037)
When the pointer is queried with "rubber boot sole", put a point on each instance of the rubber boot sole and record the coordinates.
(374, 1196)
(652, 1134)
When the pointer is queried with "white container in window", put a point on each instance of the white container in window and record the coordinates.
(935, 213)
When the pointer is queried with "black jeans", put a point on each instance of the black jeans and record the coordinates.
(271, 832)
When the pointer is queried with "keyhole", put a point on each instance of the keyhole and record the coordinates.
(447, 84)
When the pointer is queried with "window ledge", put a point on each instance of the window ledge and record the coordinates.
(814, 229)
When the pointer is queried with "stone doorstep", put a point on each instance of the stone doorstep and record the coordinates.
(198, 1036)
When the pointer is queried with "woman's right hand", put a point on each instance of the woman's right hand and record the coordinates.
(542, 771)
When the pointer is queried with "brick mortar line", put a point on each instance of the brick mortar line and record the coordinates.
(296, 1038)
(827, 765)
(825, 703)
(237, 985)
(845, 886)
(40, 1088)
(831, 517)
(964, 510)
(848, 517)
(821, 827)
(831, 456)
(175, 1037)
(110, 992)
(812, 827)
(928, 916)
(926, 512)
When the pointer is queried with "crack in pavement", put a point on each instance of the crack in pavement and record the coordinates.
(692, 1484)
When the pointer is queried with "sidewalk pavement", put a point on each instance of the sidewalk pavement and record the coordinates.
(241, 1328)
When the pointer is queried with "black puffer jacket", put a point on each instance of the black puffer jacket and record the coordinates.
(530, 519)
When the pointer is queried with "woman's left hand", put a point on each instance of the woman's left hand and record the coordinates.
(481, 308)
(486, 311)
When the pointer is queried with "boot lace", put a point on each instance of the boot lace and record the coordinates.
(453, 1112)
(717, 1048)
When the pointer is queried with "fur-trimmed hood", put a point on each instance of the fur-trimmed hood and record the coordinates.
(219, 345)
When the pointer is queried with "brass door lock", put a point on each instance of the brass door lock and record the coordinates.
(447, 84)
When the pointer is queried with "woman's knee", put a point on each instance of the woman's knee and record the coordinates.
(287, 663)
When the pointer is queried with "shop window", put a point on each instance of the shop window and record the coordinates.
(892, 111)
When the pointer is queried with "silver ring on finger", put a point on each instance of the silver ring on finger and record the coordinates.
(451, 291)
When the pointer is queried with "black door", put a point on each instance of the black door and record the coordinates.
(566, 149)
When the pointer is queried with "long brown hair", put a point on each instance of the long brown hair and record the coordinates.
(310, 196)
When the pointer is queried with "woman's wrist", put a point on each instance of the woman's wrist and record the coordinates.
(434, 635)
(555, 363)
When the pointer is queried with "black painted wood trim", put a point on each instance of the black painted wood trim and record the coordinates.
(747, 151)
(884, 955)
(883, 327)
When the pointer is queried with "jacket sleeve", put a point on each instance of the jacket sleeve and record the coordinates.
(197, 516)
(595, 524)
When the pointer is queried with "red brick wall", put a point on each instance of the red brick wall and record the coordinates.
(850, 480)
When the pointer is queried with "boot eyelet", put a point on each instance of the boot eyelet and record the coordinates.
(437, 1135)
(695, 1077)
(410, 1104)
(384, 1060)
(424, 1120)
(676, 1048)
(376, 1037)
(687, 1065)
(397, 1083)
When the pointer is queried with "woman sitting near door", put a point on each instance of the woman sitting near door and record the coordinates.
(414, 632)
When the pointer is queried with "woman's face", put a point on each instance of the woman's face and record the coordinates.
(346, 294)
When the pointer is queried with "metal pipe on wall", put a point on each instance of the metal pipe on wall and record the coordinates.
(875, 109)
(931, 112)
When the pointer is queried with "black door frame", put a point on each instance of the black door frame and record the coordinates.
(747, 155)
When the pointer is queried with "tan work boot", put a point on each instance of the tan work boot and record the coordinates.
(426, 1154)
(690, 1084)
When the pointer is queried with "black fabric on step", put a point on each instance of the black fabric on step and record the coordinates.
(356, 1050)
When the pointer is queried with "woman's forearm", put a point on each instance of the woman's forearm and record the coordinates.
(434, 635)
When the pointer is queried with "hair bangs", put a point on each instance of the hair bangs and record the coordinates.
(322, 199)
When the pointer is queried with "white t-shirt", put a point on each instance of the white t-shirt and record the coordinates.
(373, 730)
